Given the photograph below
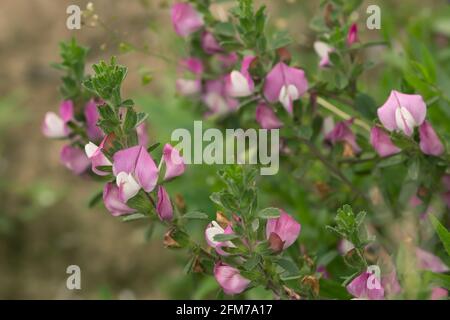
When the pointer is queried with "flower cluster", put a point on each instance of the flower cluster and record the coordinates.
(236, 70)
(107, 139)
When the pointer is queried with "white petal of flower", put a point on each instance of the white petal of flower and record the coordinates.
(187, 86)
(129, 186)
(322, 49)
(90, 149)
(54, 126)
(287, 95)
(404, 119)
(239, 85)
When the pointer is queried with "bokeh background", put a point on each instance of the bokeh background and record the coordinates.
(45, 223)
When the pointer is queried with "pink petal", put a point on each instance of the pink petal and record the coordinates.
(142, 134)
(125, 160)
(185, 19)
(352, 36)
(146, 171)
(282, 75)
(286, 227)
(91, 114)
(428, 261)
(439, 294)
(266, 117)
(210, 44)
(430, 143)
(164, 206)
(175, 165)
(343, 133)
(74, 159)
(359, 287)
(112, 201)
(66, 110)
(230, 279)
(413, 103)
(382, 143)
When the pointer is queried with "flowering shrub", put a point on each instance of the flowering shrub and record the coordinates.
(387, 160)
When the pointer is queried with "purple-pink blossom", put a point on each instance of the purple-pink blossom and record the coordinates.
(55, 126)
(382, 143)
(285, 84)
(284, 227)
(230, 279)
(186, 19)
(402, 112)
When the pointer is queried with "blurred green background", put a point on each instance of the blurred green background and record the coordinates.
(45, 224)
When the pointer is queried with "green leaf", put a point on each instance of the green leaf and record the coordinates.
(95, 199)
(128, 103)
(443, 233)
(269, 213)
(280, 39)
(104, 168)
(153, 147)
(225, 237)
(133, 217)
(366, 105)
(130, 120)
(291, 270)
(333, 290)
(195, 215)
(251, 263)
(442, 280)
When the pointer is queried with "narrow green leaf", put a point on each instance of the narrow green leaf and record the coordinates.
(195, 215)
(442, 232)
(269, 213)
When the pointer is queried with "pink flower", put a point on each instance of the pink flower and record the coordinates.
(228, 60)
(134, 169)
(343, 133)
(390, 283)
(185, 19)
(217, 99)
(428, 261)
(55, 126)
(91, 115)
(209, 43)
(438, 293)
(192, 84)
(266, 117)
(285, 84)
(164, 205)
(402, 112)
(285, 227)
(230, 279)
(415, 201)
(214, 229)
(142, 135)
(366, 286)
(175, 165)
(113, 202)
(352, 35)
(323, 50)
(430, 143)
(98, 159)
(382, 143)
(240, 83)
(74, 159)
